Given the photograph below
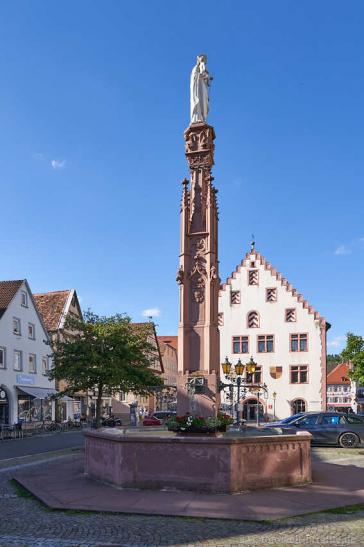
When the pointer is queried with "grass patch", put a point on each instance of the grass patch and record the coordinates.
(346, 509)
(21, 491)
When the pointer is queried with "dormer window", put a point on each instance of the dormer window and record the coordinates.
(24, 299)
(16, 326)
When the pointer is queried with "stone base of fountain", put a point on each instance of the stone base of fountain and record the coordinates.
(225, 464)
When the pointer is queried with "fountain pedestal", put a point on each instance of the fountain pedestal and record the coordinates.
(224, 464)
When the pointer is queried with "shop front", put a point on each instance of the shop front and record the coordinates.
(36, 404)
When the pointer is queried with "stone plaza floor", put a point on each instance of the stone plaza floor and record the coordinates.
(26, 522)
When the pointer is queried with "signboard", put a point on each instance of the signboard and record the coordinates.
(25, 379)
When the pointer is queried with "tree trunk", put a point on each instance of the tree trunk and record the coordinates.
(99, 405)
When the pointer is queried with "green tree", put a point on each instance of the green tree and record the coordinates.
(354, 352)
(108, 354)
(332, 359)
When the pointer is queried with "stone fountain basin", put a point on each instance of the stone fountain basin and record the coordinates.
(227, 464)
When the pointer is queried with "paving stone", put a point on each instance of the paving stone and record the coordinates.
(25, 522)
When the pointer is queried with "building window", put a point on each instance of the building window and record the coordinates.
(31, 331)
(16, 326)
(123, 396)
(299, 342)
(291, 315)
(2, 358)
(17, 360)
(220, 319)
(253, 277)
(299, 374)
(271, 295)
(32, 363)
(253, 320)
(266, 343)
(240, 344)
(256, 377)
(45, 366)
(235, 297)
(24, 299)
(299, 405)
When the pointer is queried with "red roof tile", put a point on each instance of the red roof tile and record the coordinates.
(339, 375)
(51, 306)
(8, 290)
(170, 340)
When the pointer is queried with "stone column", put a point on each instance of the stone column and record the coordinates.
(198, 335)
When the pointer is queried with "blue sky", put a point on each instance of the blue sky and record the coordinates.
(93, 104)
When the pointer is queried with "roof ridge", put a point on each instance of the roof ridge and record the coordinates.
(279, 277)
(53, 292)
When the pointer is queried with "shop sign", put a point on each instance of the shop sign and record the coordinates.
(25, 379)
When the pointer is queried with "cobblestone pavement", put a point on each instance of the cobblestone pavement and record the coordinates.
(25, 522)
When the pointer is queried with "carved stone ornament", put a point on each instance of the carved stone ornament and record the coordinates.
(180, 276)
(199, 258)
(213, 274)
(198, 290)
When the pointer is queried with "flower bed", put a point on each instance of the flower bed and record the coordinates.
(198, 424)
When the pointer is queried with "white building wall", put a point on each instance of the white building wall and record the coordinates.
(272, 321)
(10, 378)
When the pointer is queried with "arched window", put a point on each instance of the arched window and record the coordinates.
(253, 319)
(299, 405)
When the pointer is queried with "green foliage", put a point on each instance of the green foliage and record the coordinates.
(108, 354)
(332, 360)
(354, 353)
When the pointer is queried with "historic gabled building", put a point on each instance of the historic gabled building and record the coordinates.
(25, 389)
(340, 389)
(263, 316)
(168, 346)
(55, 307)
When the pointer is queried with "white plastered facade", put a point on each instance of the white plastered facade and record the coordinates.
(272, 321)
(10, 379)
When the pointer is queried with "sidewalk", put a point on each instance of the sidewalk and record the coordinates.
(62, 485)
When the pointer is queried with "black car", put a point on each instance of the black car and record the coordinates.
(111, 421)
(330, 428)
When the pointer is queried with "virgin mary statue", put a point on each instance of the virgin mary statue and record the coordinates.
(200, 81)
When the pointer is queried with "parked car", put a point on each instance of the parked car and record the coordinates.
(278, 423)
(330, 428)
(111, 421)
(164, 414)
(152, 420)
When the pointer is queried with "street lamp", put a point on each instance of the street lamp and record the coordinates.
(237, 378)
(274, 395)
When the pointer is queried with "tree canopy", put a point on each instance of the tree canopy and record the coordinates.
(107, 354)
(354, 352)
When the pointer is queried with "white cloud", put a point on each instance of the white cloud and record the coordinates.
(58, 164)
(151, 312)
(337, 342)
(342, 250)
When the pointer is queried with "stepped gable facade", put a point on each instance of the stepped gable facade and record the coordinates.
(262, 315)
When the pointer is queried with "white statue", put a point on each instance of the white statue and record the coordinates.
(199, 87)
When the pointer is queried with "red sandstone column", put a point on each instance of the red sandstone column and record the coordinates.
(198, 334)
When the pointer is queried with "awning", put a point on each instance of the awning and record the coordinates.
(42, 392)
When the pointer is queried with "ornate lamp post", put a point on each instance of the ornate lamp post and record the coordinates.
(274, 395)
(238, 379)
